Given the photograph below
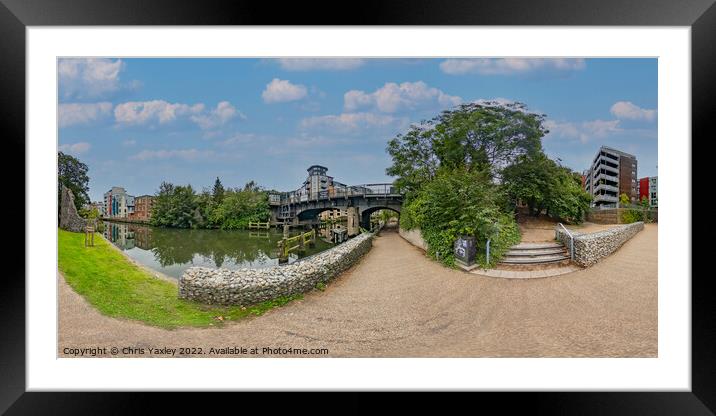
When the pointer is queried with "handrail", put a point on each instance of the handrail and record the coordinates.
(487, 249)
(377, 189)
(571, 240)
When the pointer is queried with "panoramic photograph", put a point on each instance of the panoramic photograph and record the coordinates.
(357, 207)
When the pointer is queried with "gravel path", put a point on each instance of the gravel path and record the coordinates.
(397, 303)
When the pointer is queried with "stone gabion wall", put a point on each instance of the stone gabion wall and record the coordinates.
(592, 247)
(250, 286)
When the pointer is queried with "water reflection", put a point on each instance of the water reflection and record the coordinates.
(172, 251)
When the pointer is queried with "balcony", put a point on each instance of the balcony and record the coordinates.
(605, 176)
(605, 198)
(607, 167)
(606, 187)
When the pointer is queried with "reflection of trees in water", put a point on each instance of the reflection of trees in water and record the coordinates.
(179, 246)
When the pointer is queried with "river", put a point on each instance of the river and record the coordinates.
(173, 250)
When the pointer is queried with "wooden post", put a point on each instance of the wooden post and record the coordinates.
(285, 230)
(89, 236)
(301, 245)
(282, 255)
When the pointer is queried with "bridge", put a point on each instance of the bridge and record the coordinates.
(321, 193)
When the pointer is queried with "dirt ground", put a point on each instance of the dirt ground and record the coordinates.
(397, 303)
(538, 229)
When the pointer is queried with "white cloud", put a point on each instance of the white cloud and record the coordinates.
(279, 91)
(82, 113)
(509, 66)
(630, 111)
(76, 148)
(129, 143)
(393, 97)
(89, 77)
(238, 139)
(219, 116)
(183, 154)
(349, 122)
(144, 112)
(584, 131)
(325, 64)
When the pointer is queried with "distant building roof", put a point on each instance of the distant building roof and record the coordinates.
(611, 149)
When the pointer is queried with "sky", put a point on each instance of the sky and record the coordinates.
(140, 121)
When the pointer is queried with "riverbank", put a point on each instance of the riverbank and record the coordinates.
(398, 303)
(120, 289)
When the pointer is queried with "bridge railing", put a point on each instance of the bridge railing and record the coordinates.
(341, 191)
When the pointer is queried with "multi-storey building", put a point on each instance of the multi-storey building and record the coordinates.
(142, 208)
(333, 214)
(117, 203)
(99, 206)
(317, 183)
(648, 188)
(612, 173)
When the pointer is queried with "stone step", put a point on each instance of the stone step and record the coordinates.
(537, 251)
(533, 259)
(536, 246)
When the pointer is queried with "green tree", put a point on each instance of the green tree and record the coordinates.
(175, 206)
(73, 174)
(567, 200)
(474, 137)
(459, 203)
(544, 185)
(218, 191)
(531, 179)
(624, 200)
(239, 207)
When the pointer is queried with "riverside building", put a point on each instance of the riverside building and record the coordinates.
(612, 173)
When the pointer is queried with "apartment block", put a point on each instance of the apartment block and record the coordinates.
(648, 188)
(142, 208)
(117, 203)
(333, 214)
(612, 173)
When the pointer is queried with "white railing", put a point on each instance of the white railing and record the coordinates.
(368, 190)
(571, 240)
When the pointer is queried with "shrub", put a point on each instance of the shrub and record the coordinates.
(460, 203)
(632, 215)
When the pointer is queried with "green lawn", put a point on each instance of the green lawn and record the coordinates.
(120, 289)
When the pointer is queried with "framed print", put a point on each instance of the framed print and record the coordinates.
(467, 201)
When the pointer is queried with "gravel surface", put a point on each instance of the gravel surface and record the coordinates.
(397, 303)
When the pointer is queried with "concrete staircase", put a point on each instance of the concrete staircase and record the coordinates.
(528, 254)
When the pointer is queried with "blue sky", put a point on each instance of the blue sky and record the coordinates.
(138, 122)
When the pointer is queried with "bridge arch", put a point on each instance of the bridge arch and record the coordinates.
(312, 213)
(366, 213)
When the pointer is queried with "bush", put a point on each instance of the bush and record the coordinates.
(632, 215)
(460, 203)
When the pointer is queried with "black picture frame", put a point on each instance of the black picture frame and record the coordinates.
(16, 15)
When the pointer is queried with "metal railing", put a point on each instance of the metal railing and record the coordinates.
(489, 240)
(571, 240)
(340, 191)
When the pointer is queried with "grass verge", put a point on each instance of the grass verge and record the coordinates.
(120, 289)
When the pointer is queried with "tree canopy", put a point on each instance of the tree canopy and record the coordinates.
(73, 174)
(181, 207)
(463, 171)
(476, 137)
(544, 185)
